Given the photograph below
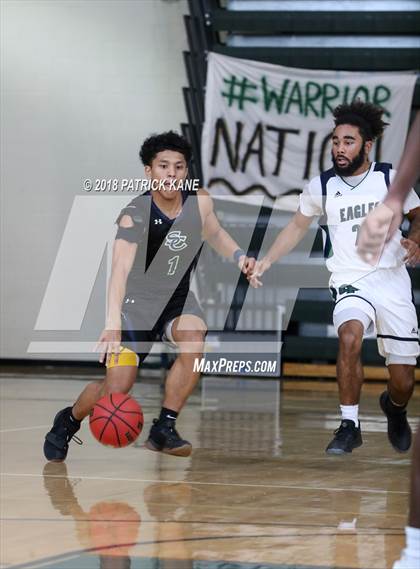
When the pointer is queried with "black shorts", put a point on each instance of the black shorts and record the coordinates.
(140, 340)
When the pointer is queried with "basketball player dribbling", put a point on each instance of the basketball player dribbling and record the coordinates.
(157, 245)
(377, 229)
(366, 297)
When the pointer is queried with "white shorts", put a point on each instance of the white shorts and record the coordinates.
(383, 302)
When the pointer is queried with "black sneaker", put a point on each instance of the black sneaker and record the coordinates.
(347, 437)
(399, 431)
(56, 443)
(163, 437)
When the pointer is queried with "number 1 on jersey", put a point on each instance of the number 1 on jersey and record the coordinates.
(173, 263)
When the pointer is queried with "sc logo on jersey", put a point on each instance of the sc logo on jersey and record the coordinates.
(176, 241)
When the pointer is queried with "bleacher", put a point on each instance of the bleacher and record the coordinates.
(319, 34)
(355, 35)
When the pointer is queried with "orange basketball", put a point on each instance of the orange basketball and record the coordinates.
(116, 420)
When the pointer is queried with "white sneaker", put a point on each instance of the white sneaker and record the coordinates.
(407, 562)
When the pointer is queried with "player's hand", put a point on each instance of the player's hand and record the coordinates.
(377, 229)
(412, 257)
(109, 343)
(259, 269)
(246, 264)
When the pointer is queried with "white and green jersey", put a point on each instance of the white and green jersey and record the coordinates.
(343, 203)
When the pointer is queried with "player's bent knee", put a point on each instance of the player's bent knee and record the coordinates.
(194, 336)
(350, 339)
(125, 358)
(119, 380)
(95, 389)
(191, 341)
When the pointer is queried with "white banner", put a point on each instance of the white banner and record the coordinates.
(267, 128)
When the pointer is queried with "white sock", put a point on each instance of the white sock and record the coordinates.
(350, 412)
(412, 548)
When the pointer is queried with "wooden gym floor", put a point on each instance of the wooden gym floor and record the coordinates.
(258, 490)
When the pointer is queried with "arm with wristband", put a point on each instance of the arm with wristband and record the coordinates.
(218, 238)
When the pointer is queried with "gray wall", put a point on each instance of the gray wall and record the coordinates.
(83, 82)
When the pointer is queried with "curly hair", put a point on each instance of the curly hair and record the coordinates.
(366, 116)
(165, 141)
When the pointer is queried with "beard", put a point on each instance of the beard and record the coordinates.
(352, 166)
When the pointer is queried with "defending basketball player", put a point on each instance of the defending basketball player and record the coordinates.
(379, 227)
(366, 297)
(159, 238)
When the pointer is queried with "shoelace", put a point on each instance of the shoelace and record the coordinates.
(72, 437)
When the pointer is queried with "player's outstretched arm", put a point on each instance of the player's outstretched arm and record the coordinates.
(285, 242)
(123, 256)
(218, 238)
